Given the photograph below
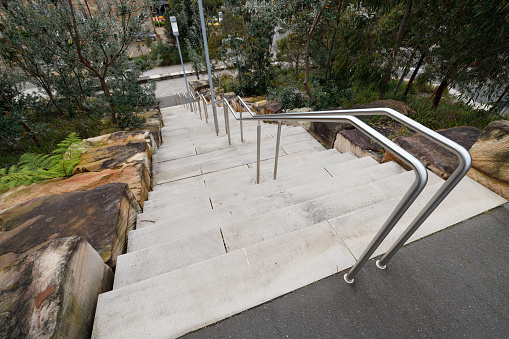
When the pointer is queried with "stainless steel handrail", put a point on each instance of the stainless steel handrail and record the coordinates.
(414, 190)
(465, 161)
(407, 200)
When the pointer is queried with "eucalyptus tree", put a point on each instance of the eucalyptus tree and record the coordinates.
(250, 48)
(62, 47)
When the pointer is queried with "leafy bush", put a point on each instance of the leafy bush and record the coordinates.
(33, 168)
(332, 96)
(290, 97)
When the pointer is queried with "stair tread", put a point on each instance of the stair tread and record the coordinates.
(197, 295)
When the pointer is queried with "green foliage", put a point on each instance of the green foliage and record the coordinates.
(331, 95)
(290, 97)
(33, 168)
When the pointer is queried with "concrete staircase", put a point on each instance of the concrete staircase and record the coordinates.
(211, 243)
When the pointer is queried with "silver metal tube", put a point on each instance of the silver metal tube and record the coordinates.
(258, 153)
(241, 127)
(278, 140)
(227, 124)
(225, 112)
(199, 106)
(465, 161)
(207, 59)
(184, 70)
(412, 193)
(246, 106)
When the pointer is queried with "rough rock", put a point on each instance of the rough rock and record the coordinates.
(436, 158)
(490, 158)
(326, 132)
(115, 155)
(358, 143)
(497, 186)
(198, 85)
(265, 107)
(153, 124)
(53, 292)
(124, 136)
(103, 216)
(490, 154)
(135, 175)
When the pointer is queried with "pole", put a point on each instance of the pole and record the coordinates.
(205, 45)
(184, 70)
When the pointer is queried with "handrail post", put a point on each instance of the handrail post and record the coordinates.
(258, 146)
(241, 128)
(199, 106)
(206, 113)
(438, 197)
(227, 123)
(278, 140)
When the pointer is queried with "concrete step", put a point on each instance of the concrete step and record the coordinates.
(269, 218)
(468, 199)
(248, 154)
(266, 147)
(302, 186)
(191, 297)
(290, 165)
(260, 205)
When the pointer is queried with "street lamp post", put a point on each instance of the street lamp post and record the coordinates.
(205, 45)
(175, 29)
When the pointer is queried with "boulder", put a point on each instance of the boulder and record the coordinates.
(326, 132)
(265, 107)
(358, 143)
(103, 216)
(497, 186)
(115, 155)
(153, 124)
(490, 154)
(134, 174)
(124, 136)
(52, 293)
(490, 158)
(198, 85)
(435, 157)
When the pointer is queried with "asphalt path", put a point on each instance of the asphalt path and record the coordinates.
(452, 284)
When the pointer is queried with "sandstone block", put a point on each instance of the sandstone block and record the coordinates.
(115, 155)
(436, 158)
(134, 174)
(124, 136)
(52, 293)
(490, 154)
(103, 216)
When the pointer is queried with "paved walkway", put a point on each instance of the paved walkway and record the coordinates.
(452, 284)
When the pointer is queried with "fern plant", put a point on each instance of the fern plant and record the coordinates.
(33, 168)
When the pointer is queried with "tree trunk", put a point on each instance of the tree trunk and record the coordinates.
(412, 78)
(405, 72)
(107, 93)
(499, 100)
(399, 40)
(439, 92)
(306, 59)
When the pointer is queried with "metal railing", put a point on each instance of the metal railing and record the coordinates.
(419, 169)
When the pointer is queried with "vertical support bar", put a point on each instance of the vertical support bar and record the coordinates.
(258, 146)
(206, 47)
(206, 111)
(199, 105)
(278, 140)
(227, 123)
(241, 127)
(225, 113)
(184, 70)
